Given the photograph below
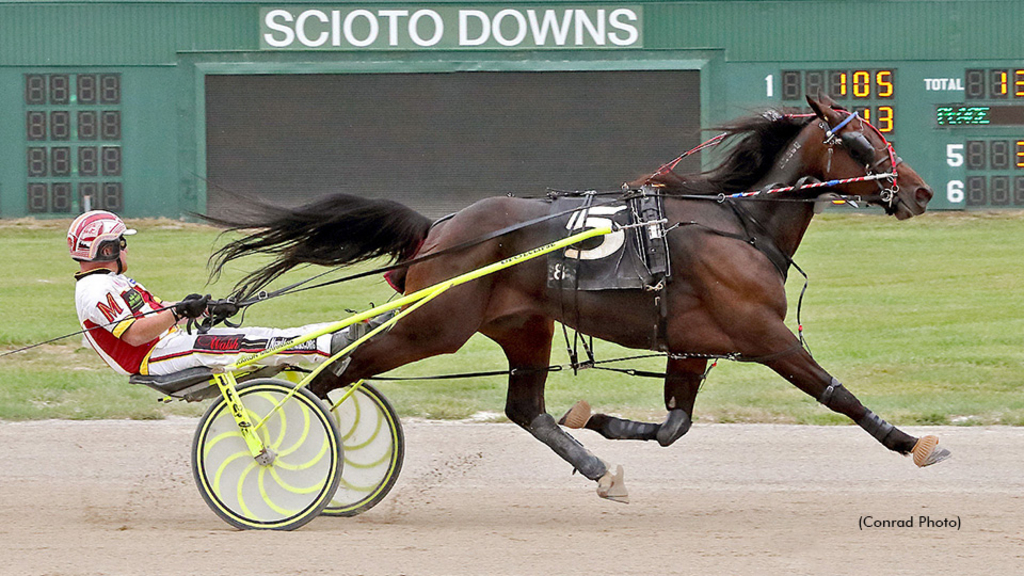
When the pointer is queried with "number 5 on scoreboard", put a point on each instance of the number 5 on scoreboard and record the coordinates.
(955, 155)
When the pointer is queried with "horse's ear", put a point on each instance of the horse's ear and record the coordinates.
(821, 105)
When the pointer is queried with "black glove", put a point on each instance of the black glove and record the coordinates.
(191, 306)
(220, 309)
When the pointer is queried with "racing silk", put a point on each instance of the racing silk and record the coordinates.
(108, 304)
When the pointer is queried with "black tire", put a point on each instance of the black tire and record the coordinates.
(291, 490)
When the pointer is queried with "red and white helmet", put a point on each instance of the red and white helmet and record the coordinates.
(96, 236)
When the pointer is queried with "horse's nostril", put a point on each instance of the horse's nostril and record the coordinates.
(923, 195)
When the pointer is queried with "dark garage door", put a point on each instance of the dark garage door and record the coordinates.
(438, 142)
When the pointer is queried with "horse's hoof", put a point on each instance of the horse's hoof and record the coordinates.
(577, 416)
(927, 451)
(613, 487)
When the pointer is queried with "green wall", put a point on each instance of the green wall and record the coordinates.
(162, 50)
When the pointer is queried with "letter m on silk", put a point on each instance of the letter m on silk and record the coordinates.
(111, 309)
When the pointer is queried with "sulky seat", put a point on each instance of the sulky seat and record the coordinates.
(192, 384)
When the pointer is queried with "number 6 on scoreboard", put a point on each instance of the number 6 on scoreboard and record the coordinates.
(955, 191)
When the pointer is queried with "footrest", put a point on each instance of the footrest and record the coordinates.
(185, 384)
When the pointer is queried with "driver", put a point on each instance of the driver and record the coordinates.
(137, 333)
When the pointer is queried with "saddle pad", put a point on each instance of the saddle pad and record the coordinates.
(610, 262)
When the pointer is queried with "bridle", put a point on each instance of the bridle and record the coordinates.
(861, 151)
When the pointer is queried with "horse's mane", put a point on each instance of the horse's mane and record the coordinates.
(754, 143)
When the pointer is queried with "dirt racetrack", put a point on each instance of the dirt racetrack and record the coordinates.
(117, 497)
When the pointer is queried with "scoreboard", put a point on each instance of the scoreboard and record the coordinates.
(73, 151)
(959, 124)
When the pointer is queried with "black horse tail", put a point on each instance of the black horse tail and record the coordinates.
(336, 230)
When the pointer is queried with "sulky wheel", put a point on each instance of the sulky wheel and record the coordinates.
(374, 449)
(306, 464)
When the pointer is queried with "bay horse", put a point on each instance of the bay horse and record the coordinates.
(725, 297)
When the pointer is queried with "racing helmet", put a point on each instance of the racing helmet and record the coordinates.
(97, 236)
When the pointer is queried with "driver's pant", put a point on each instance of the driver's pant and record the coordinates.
(219, 347)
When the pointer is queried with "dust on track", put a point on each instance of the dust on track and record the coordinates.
(117, 497)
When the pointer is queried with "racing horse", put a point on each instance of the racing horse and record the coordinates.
(725, 297)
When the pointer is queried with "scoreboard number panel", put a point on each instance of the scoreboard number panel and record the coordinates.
(871, 92)
(989, 160)
(978, 121)
(73, 150)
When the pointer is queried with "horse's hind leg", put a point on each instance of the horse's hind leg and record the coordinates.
(682, 381)
(528, 348)
(800, 369)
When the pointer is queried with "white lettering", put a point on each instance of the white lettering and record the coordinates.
(371, 37)
(393, 16)
(942, 84)
(271, 22)
(615, 20)
(499, 35)
(300, 28)
(485, 27)
(490, 27)
(414, 32)
(596, 32)
(550, 22)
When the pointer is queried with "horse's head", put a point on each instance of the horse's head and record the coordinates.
(852, 148)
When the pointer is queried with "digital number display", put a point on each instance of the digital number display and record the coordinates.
(110, 125)
(870, 93)
(60, 161)
(840, 84)
(60, 197)
(1001, 162)
(110, 88)
(111, 160)
(999, 154)
(1001, 190)
(38, 198)
(87, 125)
(35, 89)
(61, 111)
(35, 125)
(38, 162)
(88, 161)
(954, 115)
(994, 83)
(60, 125)
(86, 88)
(112, 197)
(60, 90)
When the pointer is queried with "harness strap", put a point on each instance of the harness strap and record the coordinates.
(777, 257)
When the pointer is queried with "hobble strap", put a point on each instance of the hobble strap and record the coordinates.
(830, 391)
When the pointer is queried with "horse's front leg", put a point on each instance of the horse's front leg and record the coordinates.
(683, 377)
(527, 345)
(799, 368)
